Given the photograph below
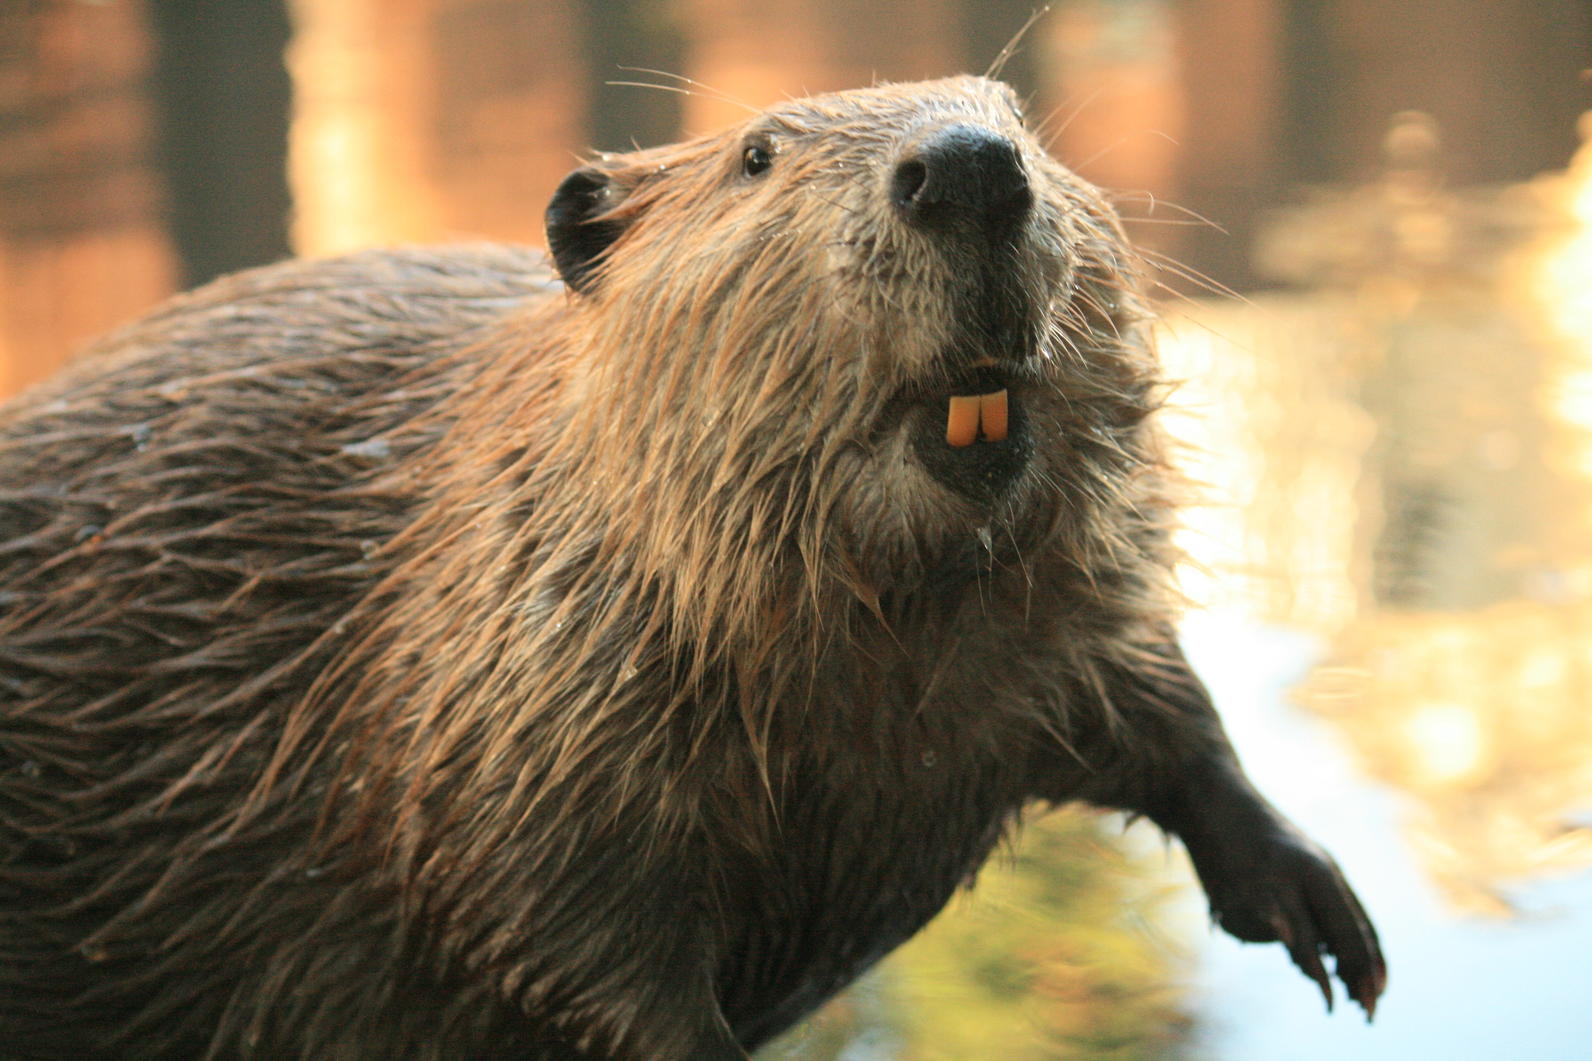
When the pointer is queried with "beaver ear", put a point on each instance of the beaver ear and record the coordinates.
(575, 239)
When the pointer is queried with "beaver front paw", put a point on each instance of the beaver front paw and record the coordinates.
(1281, 886)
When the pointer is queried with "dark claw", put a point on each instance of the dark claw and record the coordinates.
(1303, 946)
(1283, 888)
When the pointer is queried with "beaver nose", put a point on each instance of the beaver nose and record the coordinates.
(962, 173)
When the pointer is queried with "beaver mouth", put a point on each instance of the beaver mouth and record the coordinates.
(969, 429)
(983, 415)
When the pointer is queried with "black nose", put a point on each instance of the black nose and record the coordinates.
(960, 175)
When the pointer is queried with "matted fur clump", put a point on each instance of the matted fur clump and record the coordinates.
(413, 655)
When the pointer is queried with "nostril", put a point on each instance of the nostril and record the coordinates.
(1019, 200)
(962, 177)
(907, 182)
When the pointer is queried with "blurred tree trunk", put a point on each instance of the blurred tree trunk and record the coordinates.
(1503, 81)
(636, 41)
(225, 103)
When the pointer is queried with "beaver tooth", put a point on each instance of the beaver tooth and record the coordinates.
(961, 420)
(992, 416)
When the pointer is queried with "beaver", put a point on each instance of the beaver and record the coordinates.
(461, 652)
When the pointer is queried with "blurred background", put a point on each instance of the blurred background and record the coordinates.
(1371, 227)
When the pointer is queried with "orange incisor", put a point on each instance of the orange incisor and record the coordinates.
(974, 416)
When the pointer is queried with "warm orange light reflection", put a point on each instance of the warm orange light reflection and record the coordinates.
(1565, 273)
(356, 151)
(1400, 461)
(1483, 719)
(1560, 286)
(1273, 445)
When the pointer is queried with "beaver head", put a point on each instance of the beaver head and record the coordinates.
(888, 309)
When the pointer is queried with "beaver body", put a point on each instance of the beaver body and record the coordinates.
(418, 655)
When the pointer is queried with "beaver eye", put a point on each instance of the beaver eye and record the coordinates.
(756, 159)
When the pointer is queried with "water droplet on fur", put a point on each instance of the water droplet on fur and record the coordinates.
(368, 548)
(88, 530)
(31, 768)
(141, 436)
(929, 758)
(628, 672)
(986, 539)
(374, 448)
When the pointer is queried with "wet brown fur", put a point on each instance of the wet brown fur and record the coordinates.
(401, 656)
